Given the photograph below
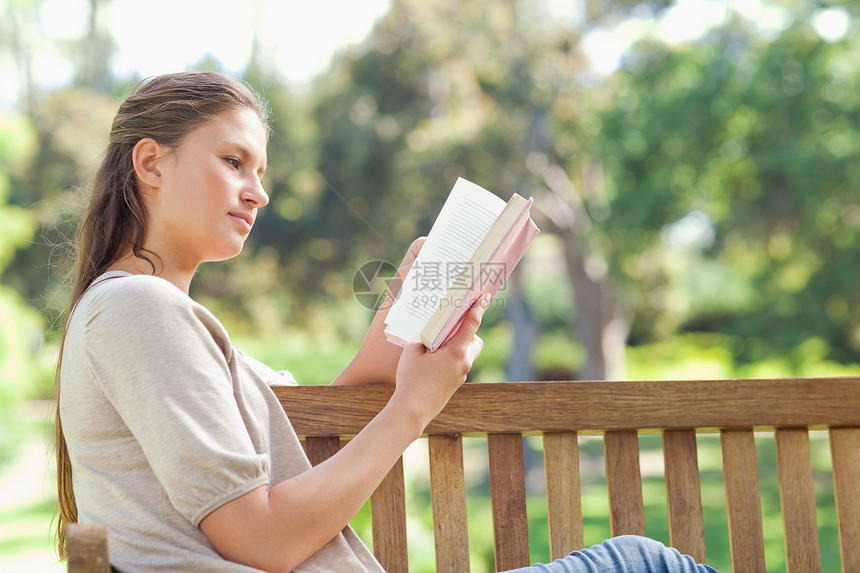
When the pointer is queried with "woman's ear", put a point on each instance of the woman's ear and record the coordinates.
(145, 158)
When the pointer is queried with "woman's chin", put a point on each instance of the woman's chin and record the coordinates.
(225, 254)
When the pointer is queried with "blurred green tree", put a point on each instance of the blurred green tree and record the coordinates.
(21, 327)
(70, 128)
(498, 94)
(747, 152)
(446, 89)
(705, 186)
(71, 124)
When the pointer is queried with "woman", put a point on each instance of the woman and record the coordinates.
(168, 434)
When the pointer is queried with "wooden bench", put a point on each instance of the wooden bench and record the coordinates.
(561, 412)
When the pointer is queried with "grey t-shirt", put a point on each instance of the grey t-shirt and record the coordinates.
(165, 421)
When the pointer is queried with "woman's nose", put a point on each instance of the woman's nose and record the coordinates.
(255, 195)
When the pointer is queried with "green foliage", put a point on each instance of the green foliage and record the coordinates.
(700, 355)
(761, 137)
(66, 131)
(16, 143)
(757, 135)
(20, 326)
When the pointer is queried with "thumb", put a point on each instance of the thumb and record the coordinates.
(412, 253)
(472, 320)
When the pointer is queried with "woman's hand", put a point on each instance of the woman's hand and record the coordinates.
(427, 380)
(376, 359)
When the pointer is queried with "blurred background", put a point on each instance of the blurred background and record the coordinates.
(695, 167)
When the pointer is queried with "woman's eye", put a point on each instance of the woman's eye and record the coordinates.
(233, 161)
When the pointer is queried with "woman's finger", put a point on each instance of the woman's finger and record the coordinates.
(471, 321)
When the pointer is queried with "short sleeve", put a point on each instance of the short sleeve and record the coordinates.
(164, 363)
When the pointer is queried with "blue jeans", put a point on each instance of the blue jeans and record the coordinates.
(623, 554)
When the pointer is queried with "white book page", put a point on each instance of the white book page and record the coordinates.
(464, 220)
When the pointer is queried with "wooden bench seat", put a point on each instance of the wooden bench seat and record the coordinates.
(560, 412)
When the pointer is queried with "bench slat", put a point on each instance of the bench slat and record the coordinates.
(508, 493)
(592, 406)
(87, 545)
(743, 504)
(448, 498)
(388, 516)
(683, 493)
(319, 449)
(563, 491)
(797, 498)
(845, 450)
(624, 482)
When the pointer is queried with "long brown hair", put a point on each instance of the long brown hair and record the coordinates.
(165, 108)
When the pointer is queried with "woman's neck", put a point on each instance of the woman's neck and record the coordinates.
(137, 266)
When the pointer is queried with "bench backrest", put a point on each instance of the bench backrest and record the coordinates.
(619, 412)
(560, 412)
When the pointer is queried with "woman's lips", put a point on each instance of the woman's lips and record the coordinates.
(244, 219)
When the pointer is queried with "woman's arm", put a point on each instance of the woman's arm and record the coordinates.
(376, 359)
(277, 528)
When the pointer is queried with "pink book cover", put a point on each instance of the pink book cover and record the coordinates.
(492, 274)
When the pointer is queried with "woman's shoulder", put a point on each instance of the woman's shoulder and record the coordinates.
(121, 287)
(120, 295)
(121, 281)
(153, 305)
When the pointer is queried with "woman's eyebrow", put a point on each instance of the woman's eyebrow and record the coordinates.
(244, 151)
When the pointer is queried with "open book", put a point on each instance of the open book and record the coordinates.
(471, 249)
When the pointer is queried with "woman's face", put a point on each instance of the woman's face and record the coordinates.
(209, 191)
